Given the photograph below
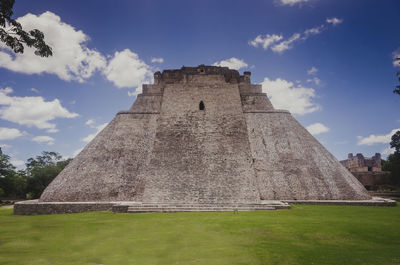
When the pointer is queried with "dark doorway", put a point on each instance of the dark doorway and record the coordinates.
(201, 105)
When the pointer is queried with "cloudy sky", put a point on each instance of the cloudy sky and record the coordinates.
(329, 62)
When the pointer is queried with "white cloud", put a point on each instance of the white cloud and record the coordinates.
(34, 90)
(276, 42)
(157, 60)
(91, 136)
(52, 130)
(9, 133)
(44, 139)
(71, 60)
(388, 151)
(317, 128)
(314, 31)
(287, 44)
(134, 93)
(90, 122)
(284, 95)
(18, 163)
(334, 21)
(314, 80)
(5, 146)
(396, 54)
(125, 69)
(376, 139)
(266, 41)
(232, 63)
(291, 2)
(312, 71)
(32, 111)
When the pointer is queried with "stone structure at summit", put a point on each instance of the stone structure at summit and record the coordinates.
(205, 137)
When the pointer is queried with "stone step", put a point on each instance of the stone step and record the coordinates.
(232, 208)
(206, 205)
(148, 210)
(133, 209)
(136, 207)
(222, 208)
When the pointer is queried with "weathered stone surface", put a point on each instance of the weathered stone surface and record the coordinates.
(374, 201)
(108, 167)
(33, 207)
(214, 207)
(367, 170)
(200, 155)
(372, 179)
(290, 163)
(203, 135)
(359, 163)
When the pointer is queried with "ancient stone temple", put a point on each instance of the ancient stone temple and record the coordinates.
(367, 170)
(201, 138)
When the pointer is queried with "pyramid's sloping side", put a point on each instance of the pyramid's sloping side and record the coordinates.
(291, 164)
(107, 168)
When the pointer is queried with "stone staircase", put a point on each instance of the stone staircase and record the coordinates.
(130, 207)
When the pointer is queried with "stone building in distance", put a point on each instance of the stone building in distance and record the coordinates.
(199, 139)
(368, 170)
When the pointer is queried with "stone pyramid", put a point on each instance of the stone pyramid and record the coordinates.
(203, 135)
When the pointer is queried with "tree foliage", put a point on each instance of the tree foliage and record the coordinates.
(397, 90)
(40, 177)
(13, 35)
(392, 163)
(42, 170)
(6, 167)
(46, 159)
(12, 183)
(31, 182)
(395, 143)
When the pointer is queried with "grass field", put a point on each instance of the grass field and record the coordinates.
(303, 235)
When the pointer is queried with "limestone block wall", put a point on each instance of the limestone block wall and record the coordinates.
(201, 156)
(372, 178)
(107, 168)
(290, 163)
(359, 163)
(255, 102)
(249, 88)
(147, 103)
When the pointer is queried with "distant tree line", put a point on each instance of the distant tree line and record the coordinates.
(397, 89)
(29, 183)
(392, 164)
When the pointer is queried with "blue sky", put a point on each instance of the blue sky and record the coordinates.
(330, 62)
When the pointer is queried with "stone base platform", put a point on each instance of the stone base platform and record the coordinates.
(375, 201)
(177, 207)
(34, 207)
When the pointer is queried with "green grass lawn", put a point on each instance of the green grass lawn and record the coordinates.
(306, 234)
